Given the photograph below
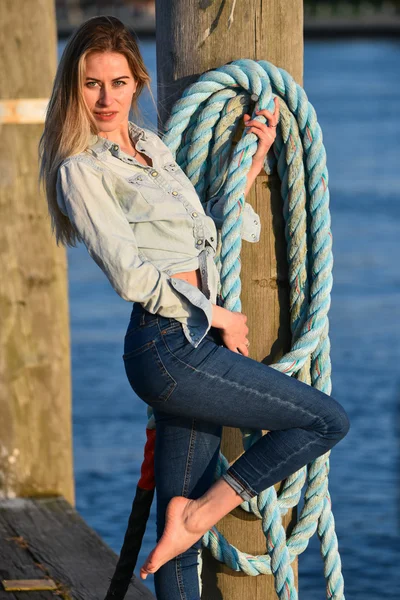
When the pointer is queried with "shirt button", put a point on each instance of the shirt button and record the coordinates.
(194, 214)
(255, 222)
(253, 235)
(199, 242)
(192, 334)
(154, 173)
(115, 147)
(212, 239)
(174, 193)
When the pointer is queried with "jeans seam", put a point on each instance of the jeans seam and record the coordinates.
(176, 358)
(137, 351)
(179, 579)
(242, 482)
(186, 479)
(138, 327)
(189, 460)
(285, 461)
(162, 368)
(175, 326)
(294, 454)
(243, 387)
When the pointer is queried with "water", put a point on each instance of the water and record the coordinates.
(355, 92)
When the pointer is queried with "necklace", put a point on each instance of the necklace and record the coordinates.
(133, 154)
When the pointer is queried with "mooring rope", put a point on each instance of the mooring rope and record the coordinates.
(200, 134)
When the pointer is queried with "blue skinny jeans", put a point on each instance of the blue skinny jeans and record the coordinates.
(194, 392)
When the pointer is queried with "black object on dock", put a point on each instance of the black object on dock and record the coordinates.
(44, 540)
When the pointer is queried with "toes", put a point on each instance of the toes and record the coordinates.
(144, 571)
(148, 568)
(151, 567)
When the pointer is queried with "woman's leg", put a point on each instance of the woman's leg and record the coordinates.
(185, 460)
(213, 384)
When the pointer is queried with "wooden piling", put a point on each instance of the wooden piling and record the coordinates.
(35, 389)
(192, 37)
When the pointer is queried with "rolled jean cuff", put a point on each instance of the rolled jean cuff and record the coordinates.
(240, 486)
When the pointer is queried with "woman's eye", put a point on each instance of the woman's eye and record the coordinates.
(88, 84)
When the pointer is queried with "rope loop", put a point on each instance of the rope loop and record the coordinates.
(200, 132)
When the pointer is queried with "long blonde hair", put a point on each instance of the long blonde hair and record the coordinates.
(69, 124)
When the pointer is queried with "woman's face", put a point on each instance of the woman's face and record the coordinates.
(108, 89)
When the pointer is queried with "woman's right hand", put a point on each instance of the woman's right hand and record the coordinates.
(233, 329)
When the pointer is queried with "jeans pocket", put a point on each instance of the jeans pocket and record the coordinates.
(147, 374)
(176, 350)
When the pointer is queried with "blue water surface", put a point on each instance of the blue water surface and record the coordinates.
(354, 87)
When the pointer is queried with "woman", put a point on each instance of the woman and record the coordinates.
(116, 187)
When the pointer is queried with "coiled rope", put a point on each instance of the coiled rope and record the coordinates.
(200, 132)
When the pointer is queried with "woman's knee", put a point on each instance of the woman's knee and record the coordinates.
(336, 421)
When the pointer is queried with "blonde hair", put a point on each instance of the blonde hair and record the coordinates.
(69, 124)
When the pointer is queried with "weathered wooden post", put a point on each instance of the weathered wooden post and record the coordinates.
(35, 385)
(192, 37)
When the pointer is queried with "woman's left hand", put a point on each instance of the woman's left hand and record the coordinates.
(266, 133)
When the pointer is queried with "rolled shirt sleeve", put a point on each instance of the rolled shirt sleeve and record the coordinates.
(85, 194)
(251, 225)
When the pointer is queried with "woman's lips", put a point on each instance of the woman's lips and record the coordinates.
(105, 116)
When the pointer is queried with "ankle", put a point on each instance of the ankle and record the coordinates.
(221, 493)
(217, 502)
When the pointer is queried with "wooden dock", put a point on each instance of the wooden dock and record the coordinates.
(45, 543)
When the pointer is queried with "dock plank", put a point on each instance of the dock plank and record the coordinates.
(17, 563)
(46, 537)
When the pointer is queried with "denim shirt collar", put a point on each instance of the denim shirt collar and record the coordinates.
(98, 145)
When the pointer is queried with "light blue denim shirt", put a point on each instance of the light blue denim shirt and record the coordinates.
(142, 224)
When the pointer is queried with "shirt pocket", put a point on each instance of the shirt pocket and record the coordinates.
(177, 174)
(148, 188)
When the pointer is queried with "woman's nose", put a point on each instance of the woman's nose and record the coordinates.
(105, 96)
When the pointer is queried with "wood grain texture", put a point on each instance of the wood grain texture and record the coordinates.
(194, 36)
(28, 585)
(47, 538)
(35, 391)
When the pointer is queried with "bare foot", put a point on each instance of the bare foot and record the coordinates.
(181, 531)
(186, 521)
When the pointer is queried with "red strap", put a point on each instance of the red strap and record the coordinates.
(147, 481)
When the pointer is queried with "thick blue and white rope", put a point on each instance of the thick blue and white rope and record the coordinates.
(200, 133)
